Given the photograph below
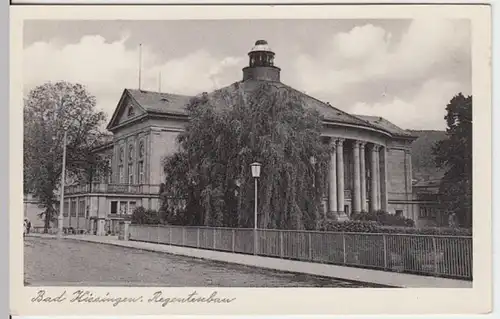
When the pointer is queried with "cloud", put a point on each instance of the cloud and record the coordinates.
(425, 110)
(368, 57)
(107, 68)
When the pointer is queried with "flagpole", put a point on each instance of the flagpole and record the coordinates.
(140, 64)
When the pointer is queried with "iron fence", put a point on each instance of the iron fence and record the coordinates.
(444, 256)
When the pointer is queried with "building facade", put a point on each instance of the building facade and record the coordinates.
(370, 167)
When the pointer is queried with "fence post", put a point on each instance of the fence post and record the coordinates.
(157, 233)
(434, 247)
(282, 248)
(343, 248)
(214, 230)
(197, 237)
(183, 236)
(385, 251)
(233, 239)
(309, 239)
(255, 241)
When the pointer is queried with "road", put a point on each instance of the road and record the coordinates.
(71, 263)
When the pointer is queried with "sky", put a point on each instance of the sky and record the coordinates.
(403, 70)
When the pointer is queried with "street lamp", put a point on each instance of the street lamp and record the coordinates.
(255, 174)
(63, 181)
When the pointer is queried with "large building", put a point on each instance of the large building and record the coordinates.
(370, 167)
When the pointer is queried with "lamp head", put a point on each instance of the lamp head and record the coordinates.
(255, 169)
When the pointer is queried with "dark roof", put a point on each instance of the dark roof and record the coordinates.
(168, 103)
(384, 124)
(160, 102)
(328, 112)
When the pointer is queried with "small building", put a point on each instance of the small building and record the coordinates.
(426, 202)
(370, 167)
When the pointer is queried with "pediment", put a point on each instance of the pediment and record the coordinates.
(126, 111)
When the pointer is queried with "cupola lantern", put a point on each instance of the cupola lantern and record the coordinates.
(261, 64)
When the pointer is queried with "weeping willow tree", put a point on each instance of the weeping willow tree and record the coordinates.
(228, 131)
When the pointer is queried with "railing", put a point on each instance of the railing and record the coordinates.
(55, 230)
(443, 256)
(152, 189)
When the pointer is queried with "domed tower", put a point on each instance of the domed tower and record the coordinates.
(261, 64)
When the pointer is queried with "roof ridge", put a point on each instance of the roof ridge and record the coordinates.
(330, 105)
(159, 93)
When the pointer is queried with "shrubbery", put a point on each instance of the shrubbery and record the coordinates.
(384, 218)
(360, 226)
(142, 216)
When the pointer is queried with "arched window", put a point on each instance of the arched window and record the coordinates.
(131, 153)
(141, 149)
(140, 164)
(131, 164)
(120, 166)
(122, 153)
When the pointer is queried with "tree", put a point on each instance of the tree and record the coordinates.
(49, 110)
(209, 180)
(455, 154)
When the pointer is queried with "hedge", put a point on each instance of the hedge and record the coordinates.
(356, 226)
(384, 218)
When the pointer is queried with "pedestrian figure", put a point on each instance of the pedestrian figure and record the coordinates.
(25, 225)
(28, 226)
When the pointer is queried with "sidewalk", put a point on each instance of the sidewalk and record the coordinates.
(378, 277)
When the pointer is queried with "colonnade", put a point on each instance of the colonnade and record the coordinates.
(377, 168)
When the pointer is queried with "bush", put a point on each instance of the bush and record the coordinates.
(362, 226)
(349, 226)
(142, 216)
(384, 218)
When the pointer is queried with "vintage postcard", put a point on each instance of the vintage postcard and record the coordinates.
(250, 160)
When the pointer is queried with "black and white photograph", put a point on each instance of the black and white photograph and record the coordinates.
(249, 153)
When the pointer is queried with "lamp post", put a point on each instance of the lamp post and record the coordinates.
(255, 174)
(63, 181)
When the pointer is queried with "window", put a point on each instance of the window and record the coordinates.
(131, 164)
(141, 149)
(81, 208)
(73, 208)
(121, 174)
(141, 172)
(110, 170)
(66, 209)
(123, 208)
(427, 212)
(130, 153)
(114, 207)
(121, 155)
(131, 207)
(130, 173)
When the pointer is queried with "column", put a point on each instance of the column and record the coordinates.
(378, 178)
(384, 179)
(363, 176)
(373, 166)
(333, 179)
(356, 196)
(340, 175)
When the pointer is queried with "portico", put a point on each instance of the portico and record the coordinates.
(351, 175)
